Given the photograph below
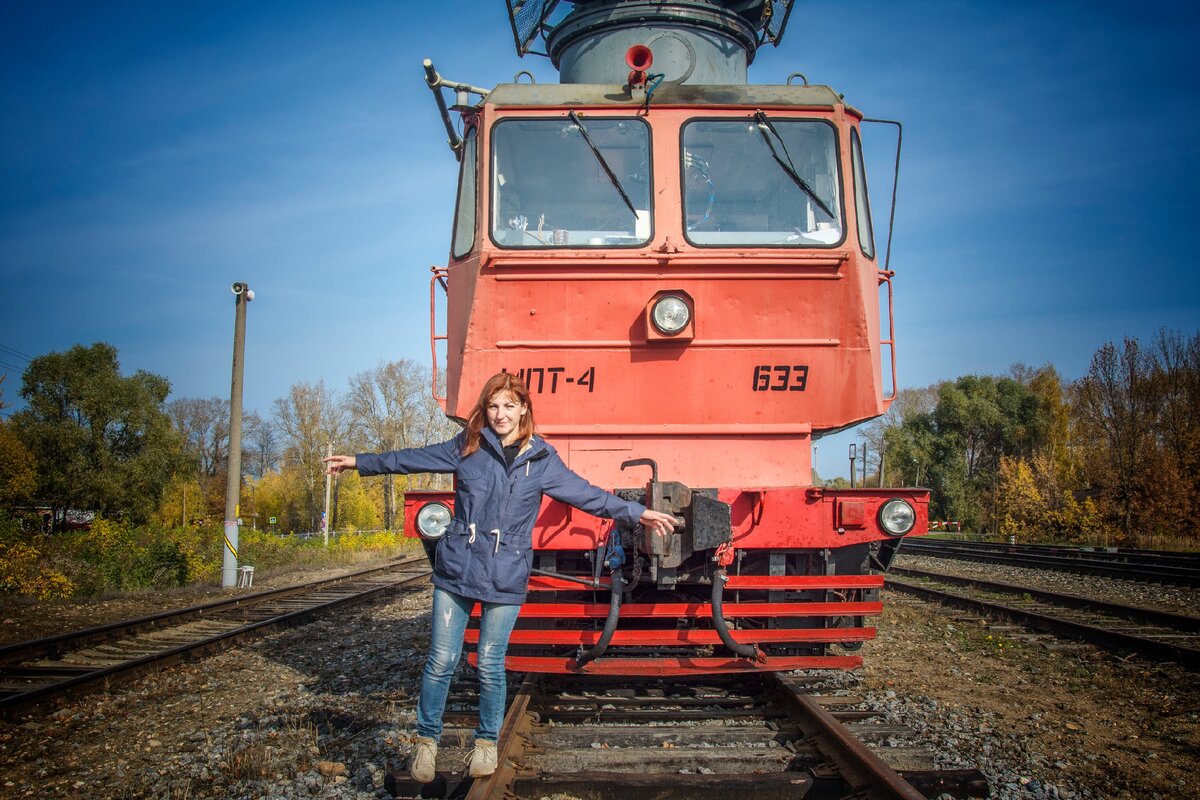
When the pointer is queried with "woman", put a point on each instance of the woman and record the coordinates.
(502, 468)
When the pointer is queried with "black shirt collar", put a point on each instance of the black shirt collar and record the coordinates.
(510, 452)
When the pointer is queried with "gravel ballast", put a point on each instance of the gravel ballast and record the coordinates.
(323, 710)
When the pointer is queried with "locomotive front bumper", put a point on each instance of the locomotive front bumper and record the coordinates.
(797, 568)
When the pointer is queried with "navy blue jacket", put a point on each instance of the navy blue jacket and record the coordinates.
(487, 551)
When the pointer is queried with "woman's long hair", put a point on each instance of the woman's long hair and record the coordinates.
(501, 382)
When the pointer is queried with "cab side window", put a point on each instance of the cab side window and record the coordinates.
(862, 201)
(464, 212)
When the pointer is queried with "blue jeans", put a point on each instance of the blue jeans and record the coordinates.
(450, 614)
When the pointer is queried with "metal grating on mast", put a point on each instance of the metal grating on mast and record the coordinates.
(775, 18)
(527, 18)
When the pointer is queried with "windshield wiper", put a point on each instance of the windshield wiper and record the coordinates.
(599, 158)
(788, 167)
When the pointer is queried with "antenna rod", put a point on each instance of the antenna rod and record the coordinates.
(434, 81)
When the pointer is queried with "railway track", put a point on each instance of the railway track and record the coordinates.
(1182, 569)
(767, 735)
(1155, 634)
(44, 671)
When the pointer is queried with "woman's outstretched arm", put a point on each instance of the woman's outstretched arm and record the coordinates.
(442, 457)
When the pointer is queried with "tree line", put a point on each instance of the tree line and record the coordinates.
(90, 439)
(1111, 457)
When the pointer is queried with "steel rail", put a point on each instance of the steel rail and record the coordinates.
(864, 771)
(1088, 563)
(514, 739)
(549, 724)
(84, 682)
(1154, 616)
(1115, 554)
(1174, 564)
(50, 646)
(1106, 638)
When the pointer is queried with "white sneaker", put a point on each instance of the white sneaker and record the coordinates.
(424, 755)
(483, 759)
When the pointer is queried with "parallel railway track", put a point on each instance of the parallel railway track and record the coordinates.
(44, 671)
(1154, 634)
(1182, 569)
(766, 735)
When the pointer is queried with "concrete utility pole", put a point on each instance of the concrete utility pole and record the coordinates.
(328, 481)
(233, 486)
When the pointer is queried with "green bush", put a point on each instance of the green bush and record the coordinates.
(113, 556)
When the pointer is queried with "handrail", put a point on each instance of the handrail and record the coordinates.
(440, 275)
(885, 276)
(887, 261)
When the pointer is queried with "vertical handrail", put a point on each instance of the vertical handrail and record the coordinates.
(885, 276)
(887, 261)
(440, 274)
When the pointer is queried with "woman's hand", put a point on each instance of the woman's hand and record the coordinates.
(338, 463)
(657, 522)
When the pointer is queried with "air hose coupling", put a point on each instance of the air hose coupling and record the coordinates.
(744, 650)
(610, 624)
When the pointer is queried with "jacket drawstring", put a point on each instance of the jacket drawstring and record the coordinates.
(527, 469)
(495, 532)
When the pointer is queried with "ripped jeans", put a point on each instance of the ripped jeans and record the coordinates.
(450, 614)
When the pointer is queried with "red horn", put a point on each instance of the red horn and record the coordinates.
(639, 58)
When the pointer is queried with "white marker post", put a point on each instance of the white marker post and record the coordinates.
(328, 481)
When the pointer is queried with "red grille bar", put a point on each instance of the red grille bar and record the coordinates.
(669, 610)
(542, 583)
(667, 638)
(656, 667)
(804, 582)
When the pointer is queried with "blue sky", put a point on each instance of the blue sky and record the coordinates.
(151, 154)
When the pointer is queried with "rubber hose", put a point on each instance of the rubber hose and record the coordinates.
(610, 624)
(718, 615)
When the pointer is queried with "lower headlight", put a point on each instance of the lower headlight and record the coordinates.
(897, 517)
(670, 315)
(432, 520)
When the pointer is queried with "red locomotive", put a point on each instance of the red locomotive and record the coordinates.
(682, 267)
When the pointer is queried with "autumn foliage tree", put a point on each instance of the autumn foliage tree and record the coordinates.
(951, 438)
(1021, 506)
(18, 468)
(1111, 457)
(103, 441)
(1139, 433)
(309, 418)
(388, 407)
(391, 407)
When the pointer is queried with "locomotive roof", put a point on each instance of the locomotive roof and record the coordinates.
(592, 94)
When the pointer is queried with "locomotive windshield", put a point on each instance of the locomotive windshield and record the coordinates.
(761, 182)
(557, 183)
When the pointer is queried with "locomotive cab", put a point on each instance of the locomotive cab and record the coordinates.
(685, 276)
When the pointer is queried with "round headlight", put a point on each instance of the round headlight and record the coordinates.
(897, 517)
(432, 520)
(670, 315)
